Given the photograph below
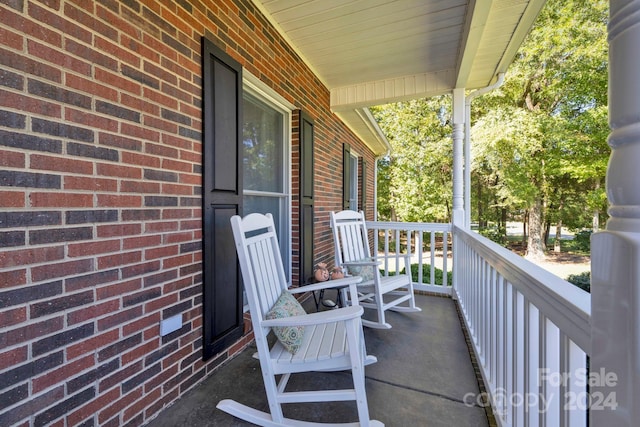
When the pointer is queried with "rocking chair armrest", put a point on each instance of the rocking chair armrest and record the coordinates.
(337, 283)
(361, 263)
(329, 316)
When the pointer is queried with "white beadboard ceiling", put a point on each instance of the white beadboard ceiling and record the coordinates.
(372, 52)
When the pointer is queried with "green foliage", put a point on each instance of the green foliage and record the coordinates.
(426, 274)
(414, 181)
(495, 234)
(540, 140)
(582, 280)
(582, 241)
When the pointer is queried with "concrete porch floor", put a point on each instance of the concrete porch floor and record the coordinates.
(424, 377)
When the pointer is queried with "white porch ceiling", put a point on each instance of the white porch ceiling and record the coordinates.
(372, 52)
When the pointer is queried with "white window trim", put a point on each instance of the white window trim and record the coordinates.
(259, 89)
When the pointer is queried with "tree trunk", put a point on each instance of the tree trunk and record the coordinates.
(525, 219)
(535, 241)
(556, 244)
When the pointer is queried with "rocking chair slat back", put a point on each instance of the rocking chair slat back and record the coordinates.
(333, 340)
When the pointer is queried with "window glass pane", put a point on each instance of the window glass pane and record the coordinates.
(263, 205)
(263, 144)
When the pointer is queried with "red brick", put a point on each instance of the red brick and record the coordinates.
(30, 28)
(191, 225)
(144, 268)
(115, 50)
(119, 259)
(92, 344)
(66, 200)
(116, 80)
(177, 213)
(161, 252)
(119, 318)
(119, 22)
(57, 57)
(119, 230)
(9, 279)
(65, 26)
(61, 269)
(111, 200)
(141, 242)
(160, 98)
(33, 331)
(162, 227)
(61, 164)
(162, 48)
(181, 237)
(58, 375)
(93, 248)
(91, 120)
(180, 142)
(91, 408)
(108, 169)
(141, 404)
(11, 39)
(119, 405)
(93, 312)
(13, 357)
(140, 325)
(160, 303)
(31, 256)
(140, 159)
(183, 190)
(119, 289)
(12, 199)
(139, 187)
(140, 132)
(90, 184)
(140, 351)
(141, 49)
(13, 316)
(161, 150)
(161, 124)
(28, 104)
(162, 378)
(89, 21)
(195, 180)
(140, 104)
(12, 159)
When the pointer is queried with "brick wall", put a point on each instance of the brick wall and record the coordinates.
(100, 197)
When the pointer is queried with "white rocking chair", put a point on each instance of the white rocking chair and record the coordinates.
(352, 251)
(332, 340)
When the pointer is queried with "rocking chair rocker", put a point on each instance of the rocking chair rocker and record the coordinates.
(331, 341)
(352, 251)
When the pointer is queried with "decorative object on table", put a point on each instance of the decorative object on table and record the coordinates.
(321, 274)
(337, 273)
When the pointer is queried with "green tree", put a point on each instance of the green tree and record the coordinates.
(543, 134)
(414, 180)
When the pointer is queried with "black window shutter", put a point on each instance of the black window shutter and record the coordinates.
(346, 175)
(222, 198)
(306, 128)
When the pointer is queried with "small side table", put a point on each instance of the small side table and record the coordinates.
(320, 300)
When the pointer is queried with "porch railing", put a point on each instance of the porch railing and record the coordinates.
(426, 244)
(531, 333)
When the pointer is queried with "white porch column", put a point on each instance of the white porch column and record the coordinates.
(615, 252)
(458, 134)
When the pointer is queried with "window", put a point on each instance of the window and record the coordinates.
(266, 160)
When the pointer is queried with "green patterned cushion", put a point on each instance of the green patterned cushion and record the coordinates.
(289, 336)
(364, 271)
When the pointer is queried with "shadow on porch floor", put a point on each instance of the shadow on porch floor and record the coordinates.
(424, 377)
